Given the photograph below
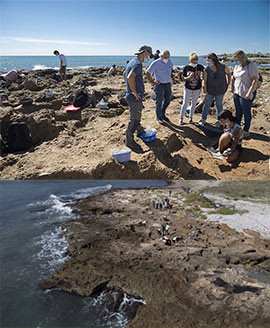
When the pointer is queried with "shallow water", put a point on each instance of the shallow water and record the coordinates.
(32, 248)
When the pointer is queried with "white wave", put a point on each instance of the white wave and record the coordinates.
(112, 319)
(52, 250)
(42, 67)
(86, 192)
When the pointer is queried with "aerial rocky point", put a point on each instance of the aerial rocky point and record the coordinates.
(208, 277)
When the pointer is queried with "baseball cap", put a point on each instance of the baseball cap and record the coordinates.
(143, 48)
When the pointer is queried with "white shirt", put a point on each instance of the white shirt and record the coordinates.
(63, 58)
(242, 76)
(111, 71)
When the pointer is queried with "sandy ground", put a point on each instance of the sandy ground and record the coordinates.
(72, 149)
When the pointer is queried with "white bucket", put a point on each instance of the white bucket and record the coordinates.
(122, 155)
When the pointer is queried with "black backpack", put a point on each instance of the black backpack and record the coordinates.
(80, 98)
(3, 147)
(19, 137)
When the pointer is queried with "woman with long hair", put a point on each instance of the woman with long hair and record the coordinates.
(192, 75)
(215, 85)
(244, 83)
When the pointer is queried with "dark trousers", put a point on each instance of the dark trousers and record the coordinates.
(134, 123)
(243, 107)
(163, 98)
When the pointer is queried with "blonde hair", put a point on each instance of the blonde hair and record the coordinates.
(193, 55)
(241, 56)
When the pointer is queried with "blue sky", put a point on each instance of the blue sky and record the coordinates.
(37, 27)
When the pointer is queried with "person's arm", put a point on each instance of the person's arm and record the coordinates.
(151, 70)
(205, 83)
(189, 77)
(228, 73)
(232, 84)
(124, 74)
(252, 87)
(235, 139)
(132, 84)
(151, 80)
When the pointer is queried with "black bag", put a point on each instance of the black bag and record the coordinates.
(19, 137)
(3, 147)
(80, 98)
(211, 131)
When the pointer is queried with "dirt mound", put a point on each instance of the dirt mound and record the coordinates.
(32, 86)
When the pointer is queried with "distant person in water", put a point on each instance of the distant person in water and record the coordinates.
(10, 77)
(230, 142)
(244, 83)
(63, 65)
(162, 70)
(112, 70)
(156, 55)
(134, 96)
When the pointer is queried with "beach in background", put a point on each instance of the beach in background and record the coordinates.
(81, 62)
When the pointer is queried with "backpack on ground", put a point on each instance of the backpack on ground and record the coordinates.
(3, 147)
(80, 99)
(19, 138)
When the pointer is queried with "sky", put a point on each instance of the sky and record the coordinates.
(97, 27)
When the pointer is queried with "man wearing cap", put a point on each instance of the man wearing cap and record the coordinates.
(162, 69)
(135, 94)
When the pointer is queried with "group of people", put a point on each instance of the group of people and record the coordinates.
(214, 79)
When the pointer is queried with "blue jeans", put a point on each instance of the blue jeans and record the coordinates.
(243, 107)
(163, 98)
(208, 102)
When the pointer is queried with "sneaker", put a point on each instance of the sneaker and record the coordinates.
(140, 133)
(246, 134)
(134, 146)
(165, 118)
(226, 153)
(181, 121)
(160, 121)
(202, 122)
(190, 120)
(213, 149)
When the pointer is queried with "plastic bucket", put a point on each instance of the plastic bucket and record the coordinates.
(121, 156)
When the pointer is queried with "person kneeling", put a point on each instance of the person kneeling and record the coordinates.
(230, 142)
(83, 98)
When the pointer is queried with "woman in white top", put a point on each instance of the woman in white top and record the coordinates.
(244, 82)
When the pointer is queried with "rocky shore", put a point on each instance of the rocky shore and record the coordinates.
(209, 275)
(65, 147)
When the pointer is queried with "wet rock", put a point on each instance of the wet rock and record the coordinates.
(32, 86)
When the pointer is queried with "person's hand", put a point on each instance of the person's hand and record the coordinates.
(248, 96)
(205, 94)
(136, 96)
(190, 75)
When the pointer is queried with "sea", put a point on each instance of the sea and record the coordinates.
(32, 248)
(80, 62)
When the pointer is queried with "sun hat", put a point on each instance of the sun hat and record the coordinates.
(143, 48)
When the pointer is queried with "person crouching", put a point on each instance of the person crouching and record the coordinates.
(230, 142)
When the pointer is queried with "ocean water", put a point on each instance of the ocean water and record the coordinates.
(32, 248)
(80, 62)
